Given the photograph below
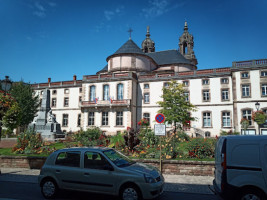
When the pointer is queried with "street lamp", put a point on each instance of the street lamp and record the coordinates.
(257, 105)
(5, 86)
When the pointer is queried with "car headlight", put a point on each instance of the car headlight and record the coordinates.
(149, 179)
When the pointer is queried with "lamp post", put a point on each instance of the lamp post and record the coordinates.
(5, 86)
(257, 105)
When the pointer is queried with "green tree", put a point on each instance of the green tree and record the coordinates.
(28, 102)
(8, 112)
(174, 105)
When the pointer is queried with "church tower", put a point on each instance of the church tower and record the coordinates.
(148, 45)
(186, 45)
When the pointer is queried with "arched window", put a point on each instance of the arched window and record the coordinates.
(106, 92)
(120, 91)
(92, 93)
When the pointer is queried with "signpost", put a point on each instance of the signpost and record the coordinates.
(160, 130)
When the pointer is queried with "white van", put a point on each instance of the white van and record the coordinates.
(241, 167)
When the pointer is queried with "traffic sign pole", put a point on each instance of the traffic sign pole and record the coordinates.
(160, 118)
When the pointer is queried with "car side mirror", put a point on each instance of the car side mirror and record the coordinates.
(108, 167)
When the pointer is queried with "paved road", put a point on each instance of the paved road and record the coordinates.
(31, 191)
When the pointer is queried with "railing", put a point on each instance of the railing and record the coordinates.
(104, 76)
(124, 102)
(250, 63)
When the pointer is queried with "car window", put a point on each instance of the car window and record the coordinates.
(118, 159)
(93, 160)
(70, 159)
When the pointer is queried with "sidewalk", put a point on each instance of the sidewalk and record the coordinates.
(174, 183)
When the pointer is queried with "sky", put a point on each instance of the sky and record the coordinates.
(61, 38)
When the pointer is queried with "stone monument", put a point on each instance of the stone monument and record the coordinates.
(45, 122)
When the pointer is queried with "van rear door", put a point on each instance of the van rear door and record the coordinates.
(220, 165)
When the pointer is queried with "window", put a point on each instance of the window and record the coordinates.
(146, 98)
(65, 120)
(206, 95)
(224, 81)
(263, 73)
(106, 92)
(186, 83)
(166, 85)
(264, 89)
(54, 92)
(119, 118)
(54, 102)
(146, 86)
(66, 101)
(66, 91)
(207, 134)
(55, 116)
(226, 119)
(186, 95)
(245, 90)
(80, 90)
(70, 159)
(93, 160)
(205, 81)
(206, 119)
(225, 94)
(247, 114)
(147, 117)
(91, 119)
(120, 91)
(92, 93)
(104, 118)
(79, 120)
(244, 75)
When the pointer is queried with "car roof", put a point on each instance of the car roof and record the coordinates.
(97, 149)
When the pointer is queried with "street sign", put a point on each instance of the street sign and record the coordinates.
(160, 118)
(160, 129)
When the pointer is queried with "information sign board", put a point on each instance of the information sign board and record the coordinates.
(160, 129)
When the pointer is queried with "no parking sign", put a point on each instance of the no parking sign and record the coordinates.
(160, 118)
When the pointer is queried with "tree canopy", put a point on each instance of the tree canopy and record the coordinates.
(27, 101)
(175, 107)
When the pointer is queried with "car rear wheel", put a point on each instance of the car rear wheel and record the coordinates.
(130, 192)
(251, 194)
(49, 189)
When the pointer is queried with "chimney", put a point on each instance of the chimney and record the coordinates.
(49, 80)
(74, 77)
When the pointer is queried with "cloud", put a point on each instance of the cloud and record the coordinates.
(110, 14)
(157, 8)
(40, 10)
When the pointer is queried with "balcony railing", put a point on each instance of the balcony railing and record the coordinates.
(250, 63)
(103, 103)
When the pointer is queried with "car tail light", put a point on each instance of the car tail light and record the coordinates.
(224, 161)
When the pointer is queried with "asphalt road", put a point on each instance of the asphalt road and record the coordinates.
(10, 190)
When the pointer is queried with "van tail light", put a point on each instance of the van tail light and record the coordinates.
(224, 161)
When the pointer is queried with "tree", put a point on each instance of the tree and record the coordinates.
(9, 111)
(28, 102)
(174, 105)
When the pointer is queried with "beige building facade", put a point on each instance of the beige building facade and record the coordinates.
(130, 85)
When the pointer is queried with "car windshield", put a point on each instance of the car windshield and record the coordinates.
(118, 158)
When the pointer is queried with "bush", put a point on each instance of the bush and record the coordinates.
(229, 133)
(117, 141)
(90, 137)
(183, 136)
(201, 148)
(28, 142)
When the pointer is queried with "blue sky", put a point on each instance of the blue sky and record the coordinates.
(60, 38)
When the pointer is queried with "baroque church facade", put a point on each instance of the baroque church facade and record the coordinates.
(130, 85)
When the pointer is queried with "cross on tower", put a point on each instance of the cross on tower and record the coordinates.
(130, 33)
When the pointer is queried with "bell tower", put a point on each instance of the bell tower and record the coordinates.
(148, 45)
(186, 45)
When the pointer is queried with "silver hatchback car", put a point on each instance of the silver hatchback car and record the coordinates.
(99, 170)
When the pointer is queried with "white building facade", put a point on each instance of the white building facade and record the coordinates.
(129, 87)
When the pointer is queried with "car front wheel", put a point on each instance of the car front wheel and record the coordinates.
(49, 189)
(130, 192)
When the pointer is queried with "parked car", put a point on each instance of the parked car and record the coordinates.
(99, 170)
(241, 167)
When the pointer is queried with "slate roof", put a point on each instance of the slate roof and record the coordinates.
(105, 69)
(168, 57)
(129, 47)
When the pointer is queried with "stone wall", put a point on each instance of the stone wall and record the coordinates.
(195, 168)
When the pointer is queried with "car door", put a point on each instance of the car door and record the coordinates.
(98, 175)
(67, 169)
